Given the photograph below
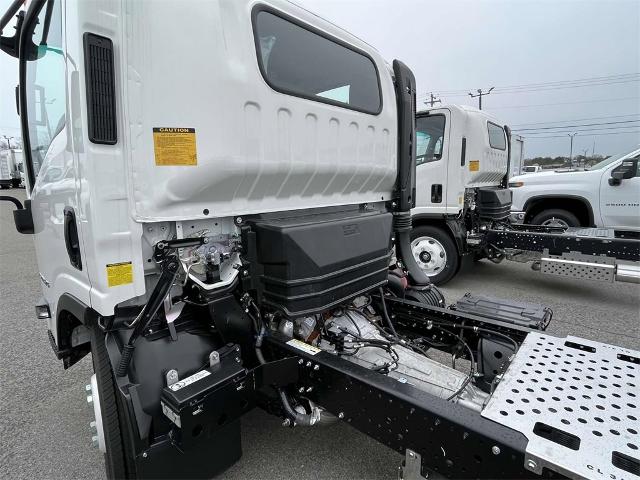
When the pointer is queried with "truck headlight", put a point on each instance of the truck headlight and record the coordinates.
(516, 184)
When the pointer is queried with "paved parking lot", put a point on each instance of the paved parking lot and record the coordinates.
(44, 418)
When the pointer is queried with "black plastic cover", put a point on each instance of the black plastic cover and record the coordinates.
(203, 402)
(312, 262)
(493, 203)
(528, 315)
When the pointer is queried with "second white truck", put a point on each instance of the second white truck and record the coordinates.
(604, 195)
(464, 205)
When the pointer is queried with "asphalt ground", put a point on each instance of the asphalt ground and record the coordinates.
(44, 418)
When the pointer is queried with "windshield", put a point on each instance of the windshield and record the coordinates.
(609, 161)
(529, 169)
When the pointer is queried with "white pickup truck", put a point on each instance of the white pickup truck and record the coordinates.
(605, 195)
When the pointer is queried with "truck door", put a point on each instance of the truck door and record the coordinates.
(432, 153)
(50, 163)
(620, 198)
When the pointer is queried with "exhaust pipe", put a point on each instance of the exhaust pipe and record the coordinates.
(405, 84)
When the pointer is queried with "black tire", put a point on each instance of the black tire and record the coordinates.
(452, 257)
(117, 465)
(563, 215)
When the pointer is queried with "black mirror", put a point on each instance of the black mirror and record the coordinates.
(21, 215)
(619, 175)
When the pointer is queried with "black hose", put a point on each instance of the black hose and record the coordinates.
(386, 315)
(402, 228)
(297, 417)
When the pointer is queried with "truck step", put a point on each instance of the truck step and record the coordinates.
(589, 267)
(577, 402)
(578, 265)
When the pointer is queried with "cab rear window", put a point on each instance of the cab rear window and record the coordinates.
(298, 60)
(497, 138)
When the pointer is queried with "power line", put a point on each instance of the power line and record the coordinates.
(566, 103)
(583, 130)
(588, 135)
(556, 83)
(576, 120)
(603, 80)
(575, 126)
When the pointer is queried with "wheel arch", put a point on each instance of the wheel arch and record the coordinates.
(575, 204)
(71, 315)
(451, 226)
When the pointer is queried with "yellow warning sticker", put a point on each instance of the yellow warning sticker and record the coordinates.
(175, 146)
(474, 165)
(119, 274)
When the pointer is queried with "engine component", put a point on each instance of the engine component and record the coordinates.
(310, 263)
(350, 327)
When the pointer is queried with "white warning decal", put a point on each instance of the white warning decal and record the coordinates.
(189, 380)
(305, 347)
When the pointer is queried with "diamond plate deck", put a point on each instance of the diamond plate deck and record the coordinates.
(577, 402)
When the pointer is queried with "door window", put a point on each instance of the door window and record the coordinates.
(497, 137)
(45, 83)
(297, 60)
(429, 138)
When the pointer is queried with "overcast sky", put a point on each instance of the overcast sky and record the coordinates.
(470, 44)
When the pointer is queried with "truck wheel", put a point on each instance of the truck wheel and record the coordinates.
(108, 410)
(436, 253)
(556, 218)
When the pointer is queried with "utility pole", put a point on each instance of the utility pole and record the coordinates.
(593, 151)
(479, 95)
(571, 135)
(433, 100)
(8, 139)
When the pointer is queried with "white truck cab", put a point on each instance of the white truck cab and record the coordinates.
(604, 195)
(460, 151)
(457, 147)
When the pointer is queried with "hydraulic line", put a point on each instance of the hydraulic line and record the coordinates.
(386, 315)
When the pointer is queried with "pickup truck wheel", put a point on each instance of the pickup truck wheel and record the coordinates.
(556, 217)
(108, 410)
(435, 252)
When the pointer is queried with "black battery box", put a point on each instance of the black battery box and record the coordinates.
(528, 315)
(201, 404)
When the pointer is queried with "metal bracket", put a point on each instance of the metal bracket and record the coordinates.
(214, 359)
(411, 468)
(172, 377)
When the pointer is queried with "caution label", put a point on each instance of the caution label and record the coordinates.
(474, 165)
(175, 146)
(119, 274)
